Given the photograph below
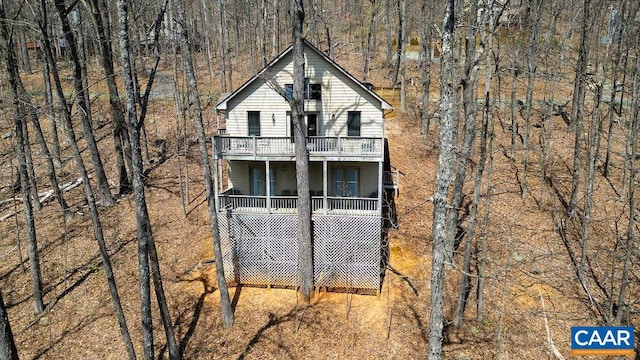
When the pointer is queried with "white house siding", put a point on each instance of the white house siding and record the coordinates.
(339, 95)
(239, 176)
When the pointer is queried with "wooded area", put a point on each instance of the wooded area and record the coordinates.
(532, 101)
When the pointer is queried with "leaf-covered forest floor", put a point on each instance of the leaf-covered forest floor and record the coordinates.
(530, 276)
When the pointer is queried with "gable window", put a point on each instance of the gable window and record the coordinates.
(254, 123)
(311, 91)
(315, 92)
(346, 182)
(288, 91)
(353, 123)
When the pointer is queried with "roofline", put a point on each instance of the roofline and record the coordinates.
(383, 102)
(222, 104)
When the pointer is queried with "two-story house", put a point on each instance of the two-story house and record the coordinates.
(351, 183)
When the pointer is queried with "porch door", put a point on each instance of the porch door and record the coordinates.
(257, 180)
(346, 182)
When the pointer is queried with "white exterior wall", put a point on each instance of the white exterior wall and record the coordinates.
(239, 176)
(339, 95)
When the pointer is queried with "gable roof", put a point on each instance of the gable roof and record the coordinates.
(222, 103)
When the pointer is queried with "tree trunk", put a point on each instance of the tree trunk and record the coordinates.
(388, 32)
(425, 65)
(482, 252)
(179, 117)
(35, 121)
(446, 159)
(401, 37)
(91, 203)
(120, 136)
(262, 30)
(18, 117)
(549, 91)
(223, 50)
(48, 101)
(403, 55)
(51, 169)
(24, 52)
(305, 245)
(83, 106)
(138, 185)
(468, 81)
(33, 184)
(577, 112)
(275, 41)
(148, 264)
(227, 310)
(621, 306)
(472, 59)
(8, 350)
(370, 45)
(532, 54)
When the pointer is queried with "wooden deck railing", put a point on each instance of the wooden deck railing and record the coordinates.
(289, 204)
(283, 146)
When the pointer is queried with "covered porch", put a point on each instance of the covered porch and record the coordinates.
(336, 188)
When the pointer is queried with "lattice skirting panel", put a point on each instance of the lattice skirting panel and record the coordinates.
(261, 249)
(347, 252)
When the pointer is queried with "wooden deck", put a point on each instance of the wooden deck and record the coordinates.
(328, 205)
(282, 148)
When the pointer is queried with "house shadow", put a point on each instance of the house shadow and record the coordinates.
(293, 315)
(195, 317)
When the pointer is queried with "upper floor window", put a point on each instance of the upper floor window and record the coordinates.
(254, 123)
(353, 123)
(311, 91)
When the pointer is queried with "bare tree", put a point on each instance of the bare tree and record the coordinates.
(532, 66)
(83, 105)
(305, 246)
(48, 104)
(443, 180)
(227, 310)
(33, 183)
(148, 265)
(91, 203)
(472, 61)
(401, 5)
(225, 48)
(11, 64)
(120, 136)
(275, 40)
(138, 185)
(8, 350)
(370, 45)
(577, 112)
(621, 304)
(425, 65)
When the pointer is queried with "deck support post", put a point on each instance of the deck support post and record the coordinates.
(325, 187)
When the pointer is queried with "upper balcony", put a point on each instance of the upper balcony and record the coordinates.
(282, 148)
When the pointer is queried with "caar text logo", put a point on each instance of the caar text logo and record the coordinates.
(602, 341)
